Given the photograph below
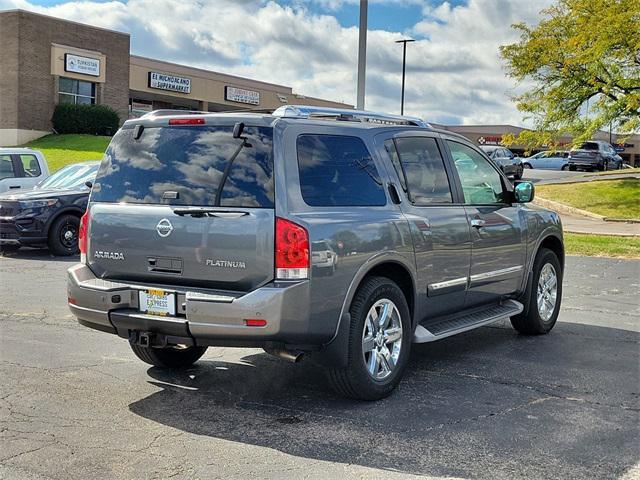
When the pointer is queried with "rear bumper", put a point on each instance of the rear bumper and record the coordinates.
(204, 317)
(585, 163)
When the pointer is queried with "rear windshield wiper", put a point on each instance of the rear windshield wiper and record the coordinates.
(238, 128)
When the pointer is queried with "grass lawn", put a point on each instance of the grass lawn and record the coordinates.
(601, 245)
(61, 150)
(611, 198)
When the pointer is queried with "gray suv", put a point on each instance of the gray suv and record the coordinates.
(342, 235)
(594, 155)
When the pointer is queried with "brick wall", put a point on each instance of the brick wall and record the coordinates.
(9, 70)
(37, 87)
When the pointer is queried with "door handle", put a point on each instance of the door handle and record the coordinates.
(13, 187)
(477, 223)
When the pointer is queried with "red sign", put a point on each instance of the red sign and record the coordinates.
(486, 140)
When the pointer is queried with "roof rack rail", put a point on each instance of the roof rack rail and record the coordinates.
(304, 111)
(166, 112)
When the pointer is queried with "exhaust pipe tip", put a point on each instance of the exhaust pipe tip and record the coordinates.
(292, 356)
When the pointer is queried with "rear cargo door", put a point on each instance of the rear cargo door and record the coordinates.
(185, 205)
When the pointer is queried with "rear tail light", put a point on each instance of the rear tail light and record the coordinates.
(83, 237)
(186, 121)
(292, 251)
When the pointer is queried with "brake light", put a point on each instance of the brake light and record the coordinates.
(292, 251)
(82, 236)
(186, 121)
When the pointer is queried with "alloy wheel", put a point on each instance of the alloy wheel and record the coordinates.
(382, 339)
(547, 291)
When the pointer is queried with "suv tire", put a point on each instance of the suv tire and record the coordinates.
(355, 381)
(543, 296)
(169, 357)
(63, 235)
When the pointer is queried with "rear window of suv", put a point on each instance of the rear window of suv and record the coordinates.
(338, 170)
(186, 165)
(589, 146)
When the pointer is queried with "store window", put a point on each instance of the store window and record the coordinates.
(76, 91)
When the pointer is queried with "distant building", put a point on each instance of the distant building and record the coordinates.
(46, 61)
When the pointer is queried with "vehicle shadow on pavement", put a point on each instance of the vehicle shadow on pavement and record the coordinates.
(487, 401)
(38, 254)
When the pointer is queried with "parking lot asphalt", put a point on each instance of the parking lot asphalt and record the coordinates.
(76, 404)
(541, 176)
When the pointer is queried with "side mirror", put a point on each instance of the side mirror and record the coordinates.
(523, 192)
(89, 183)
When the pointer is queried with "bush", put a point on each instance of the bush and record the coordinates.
(91, 119)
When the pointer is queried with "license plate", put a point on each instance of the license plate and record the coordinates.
(157, 302)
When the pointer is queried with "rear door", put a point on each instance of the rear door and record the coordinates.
(8, 180)
(185, 205)
(498, 250)
(438, 225)
(31, 170)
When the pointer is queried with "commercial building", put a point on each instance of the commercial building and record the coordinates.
(628, 147)
(46, 61)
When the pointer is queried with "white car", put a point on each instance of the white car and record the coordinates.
(21, 169)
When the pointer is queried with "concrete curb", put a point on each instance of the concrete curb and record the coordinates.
(622, 220)
(589, 179)
(599, 234)
(566, 209)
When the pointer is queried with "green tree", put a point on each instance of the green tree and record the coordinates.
(580, 69)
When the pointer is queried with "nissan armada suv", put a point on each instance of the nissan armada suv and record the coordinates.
(214, 229)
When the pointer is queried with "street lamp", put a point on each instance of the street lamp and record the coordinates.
(362, 53)
(404, 65)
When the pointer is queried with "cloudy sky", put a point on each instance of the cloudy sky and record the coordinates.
(454, 74)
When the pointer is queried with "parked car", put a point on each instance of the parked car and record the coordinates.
(508, 162)
(548, 161)
(201, 231)
(50, 213)
(594, 155)
(21, 169)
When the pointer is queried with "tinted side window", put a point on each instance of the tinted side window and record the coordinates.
(338, 171)
(390, 147)
(481, 183)
(424, 170)
(30, 165)
(6, 167)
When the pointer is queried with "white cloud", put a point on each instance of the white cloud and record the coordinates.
(453, 71)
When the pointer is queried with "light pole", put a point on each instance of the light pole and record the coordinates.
(404, 66)
(362, 53)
